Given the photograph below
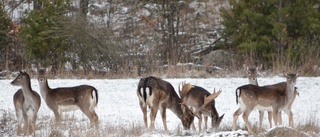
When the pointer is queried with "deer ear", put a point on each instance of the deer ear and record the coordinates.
(284, 73)
(298, 73)
(259, 67)
(48, 69)
(221, 117)
(183, 107)
(244, 67)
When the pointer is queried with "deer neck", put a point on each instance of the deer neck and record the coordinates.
(44, 88)
(27, 91)
(290, 91)
(174, 104)
(253, 82)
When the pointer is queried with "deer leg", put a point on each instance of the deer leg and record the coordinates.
(270, 118)
(291, 119)
(280, 117)
(245, 116)
(193, 126)
(20, 119)
(275, 117)
(200, 121)
(95, 117)
(235, 118)
(34, 125)
(89, 114)
(206, 122)
(290, 115)
(163, 109)
(26, 125)
(144, 111)
(153, 115)
(57, 116)
(261, 115)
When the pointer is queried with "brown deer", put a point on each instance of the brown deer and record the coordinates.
(252, 73)
(159, 94)
(202, 103)
(277, 97)
(83, 97)
(26, 103)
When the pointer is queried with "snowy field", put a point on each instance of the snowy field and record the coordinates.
(118, 103)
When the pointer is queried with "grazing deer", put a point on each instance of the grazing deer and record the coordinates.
(83, 97)
(202, 103)
(275, 98)
(26, 103)
(159, 94)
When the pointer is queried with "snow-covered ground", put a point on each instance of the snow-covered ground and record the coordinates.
(118, 101)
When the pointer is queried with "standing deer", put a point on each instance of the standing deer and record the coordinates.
(252, 73)
(83, 97)
(26, 103)
(159, 94)
(202, 103)
(277, 97)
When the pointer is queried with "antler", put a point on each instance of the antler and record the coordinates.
(185, 88)
(208, 99)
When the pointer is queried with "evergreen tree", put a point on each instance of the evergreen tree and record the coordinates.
(4, 38)
(271, 30)
(44, 43)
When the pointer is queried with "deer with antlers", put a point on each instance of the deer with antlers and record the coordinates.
(26, 103)
(160, 94)
(275, 98)
(202, 103)
(63, 99)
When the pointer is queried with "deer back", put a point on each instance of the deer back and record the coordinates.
(71, 95)
(266, 96)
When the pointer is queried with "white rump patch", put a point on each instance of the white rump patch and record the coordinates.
(148, 91)
(149, 98)
(141, 91)
(93, 101)
(147, 95)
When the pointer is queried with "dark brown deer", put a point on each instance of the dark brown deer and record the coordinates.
(202, 103)
(160, 95)
(277, 97)
(26, 103)
(83, 97)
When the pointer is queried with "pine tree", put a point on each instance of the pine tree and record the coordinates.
(45, 45)
(269, 30)
(4, 38)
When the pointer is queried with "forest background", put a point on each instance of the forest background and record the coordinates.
(172, 38)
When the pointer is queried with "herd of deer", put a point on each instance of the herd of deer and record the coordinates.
(158, 94)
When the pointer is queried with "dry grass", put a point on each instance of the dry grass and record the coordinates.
(79, 127)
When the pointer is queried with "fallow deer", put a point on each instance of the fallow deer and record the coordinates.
(252, 73)
(275, 98)
(160, 94)
(63, 99)
(26, 103)
(202, 103)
